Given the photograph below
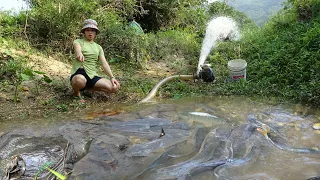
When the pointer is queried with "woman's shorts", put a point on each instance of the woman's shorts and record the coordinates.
(90, 82)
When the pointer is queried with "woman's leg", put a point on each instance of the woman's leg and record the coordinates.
(104, 85)
(78, 82)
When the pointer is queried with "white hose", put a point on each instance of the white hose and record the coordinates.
(156, 87)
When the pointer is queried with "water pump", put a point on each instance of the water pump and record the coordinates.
(206, 73)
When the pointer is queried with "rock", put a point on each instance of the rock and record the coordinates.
(35, 151)
(2, 99)
(28, 85)
(10, 88)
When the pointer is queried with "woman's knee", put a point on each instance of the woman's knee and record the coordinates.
(79, 81)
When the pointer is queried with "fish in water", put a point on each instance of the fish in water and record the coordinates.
(314, 178)
(205, 118)
(203, 114)
(162, 133)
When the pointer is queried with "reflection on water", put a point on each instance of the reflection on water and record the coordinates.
(192, 120)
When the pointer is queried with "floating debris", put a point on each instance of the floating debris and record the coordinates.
(60, 176)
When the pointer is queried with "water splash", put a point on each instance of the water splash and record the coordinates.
(219, 28)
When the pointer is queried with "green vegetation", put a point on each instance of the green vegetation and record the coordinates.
(15, 71)
(282, 55)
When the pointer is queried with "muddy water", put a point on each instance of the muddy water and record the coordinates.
(293, 124)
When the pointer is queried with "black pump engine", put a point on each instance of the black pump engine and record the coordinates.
(206, 73)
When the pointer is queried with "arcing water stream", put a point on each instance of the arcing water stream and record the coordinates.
(219, 28)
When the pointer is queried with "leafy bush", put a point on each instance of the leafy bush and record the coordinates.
(173, 44)
(282, 59)
(305, 10)
(11, 25)
(192, 18)
(154, 15)
(15, 71)
(55, 24)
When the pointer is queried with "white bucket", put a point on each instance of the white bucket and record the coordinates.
(237, 69)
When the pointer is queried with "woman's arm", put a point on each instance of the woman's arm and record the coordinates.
(105, 66)
(107, 70)
(78, 51)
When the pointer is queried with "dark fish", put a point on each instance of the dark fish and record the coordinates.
(162, 133)
(314, 178)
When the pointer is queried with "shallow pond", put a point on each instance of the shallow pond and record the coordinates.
(200, 138)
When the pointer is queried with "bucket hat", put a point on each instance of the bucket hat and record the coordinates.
(90, 23)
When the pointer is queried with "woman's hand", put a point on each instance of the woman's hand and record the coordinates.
(80, 57)
(115, 83)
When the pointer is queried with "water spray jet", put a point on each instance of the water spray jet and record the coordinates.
(218, 29)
